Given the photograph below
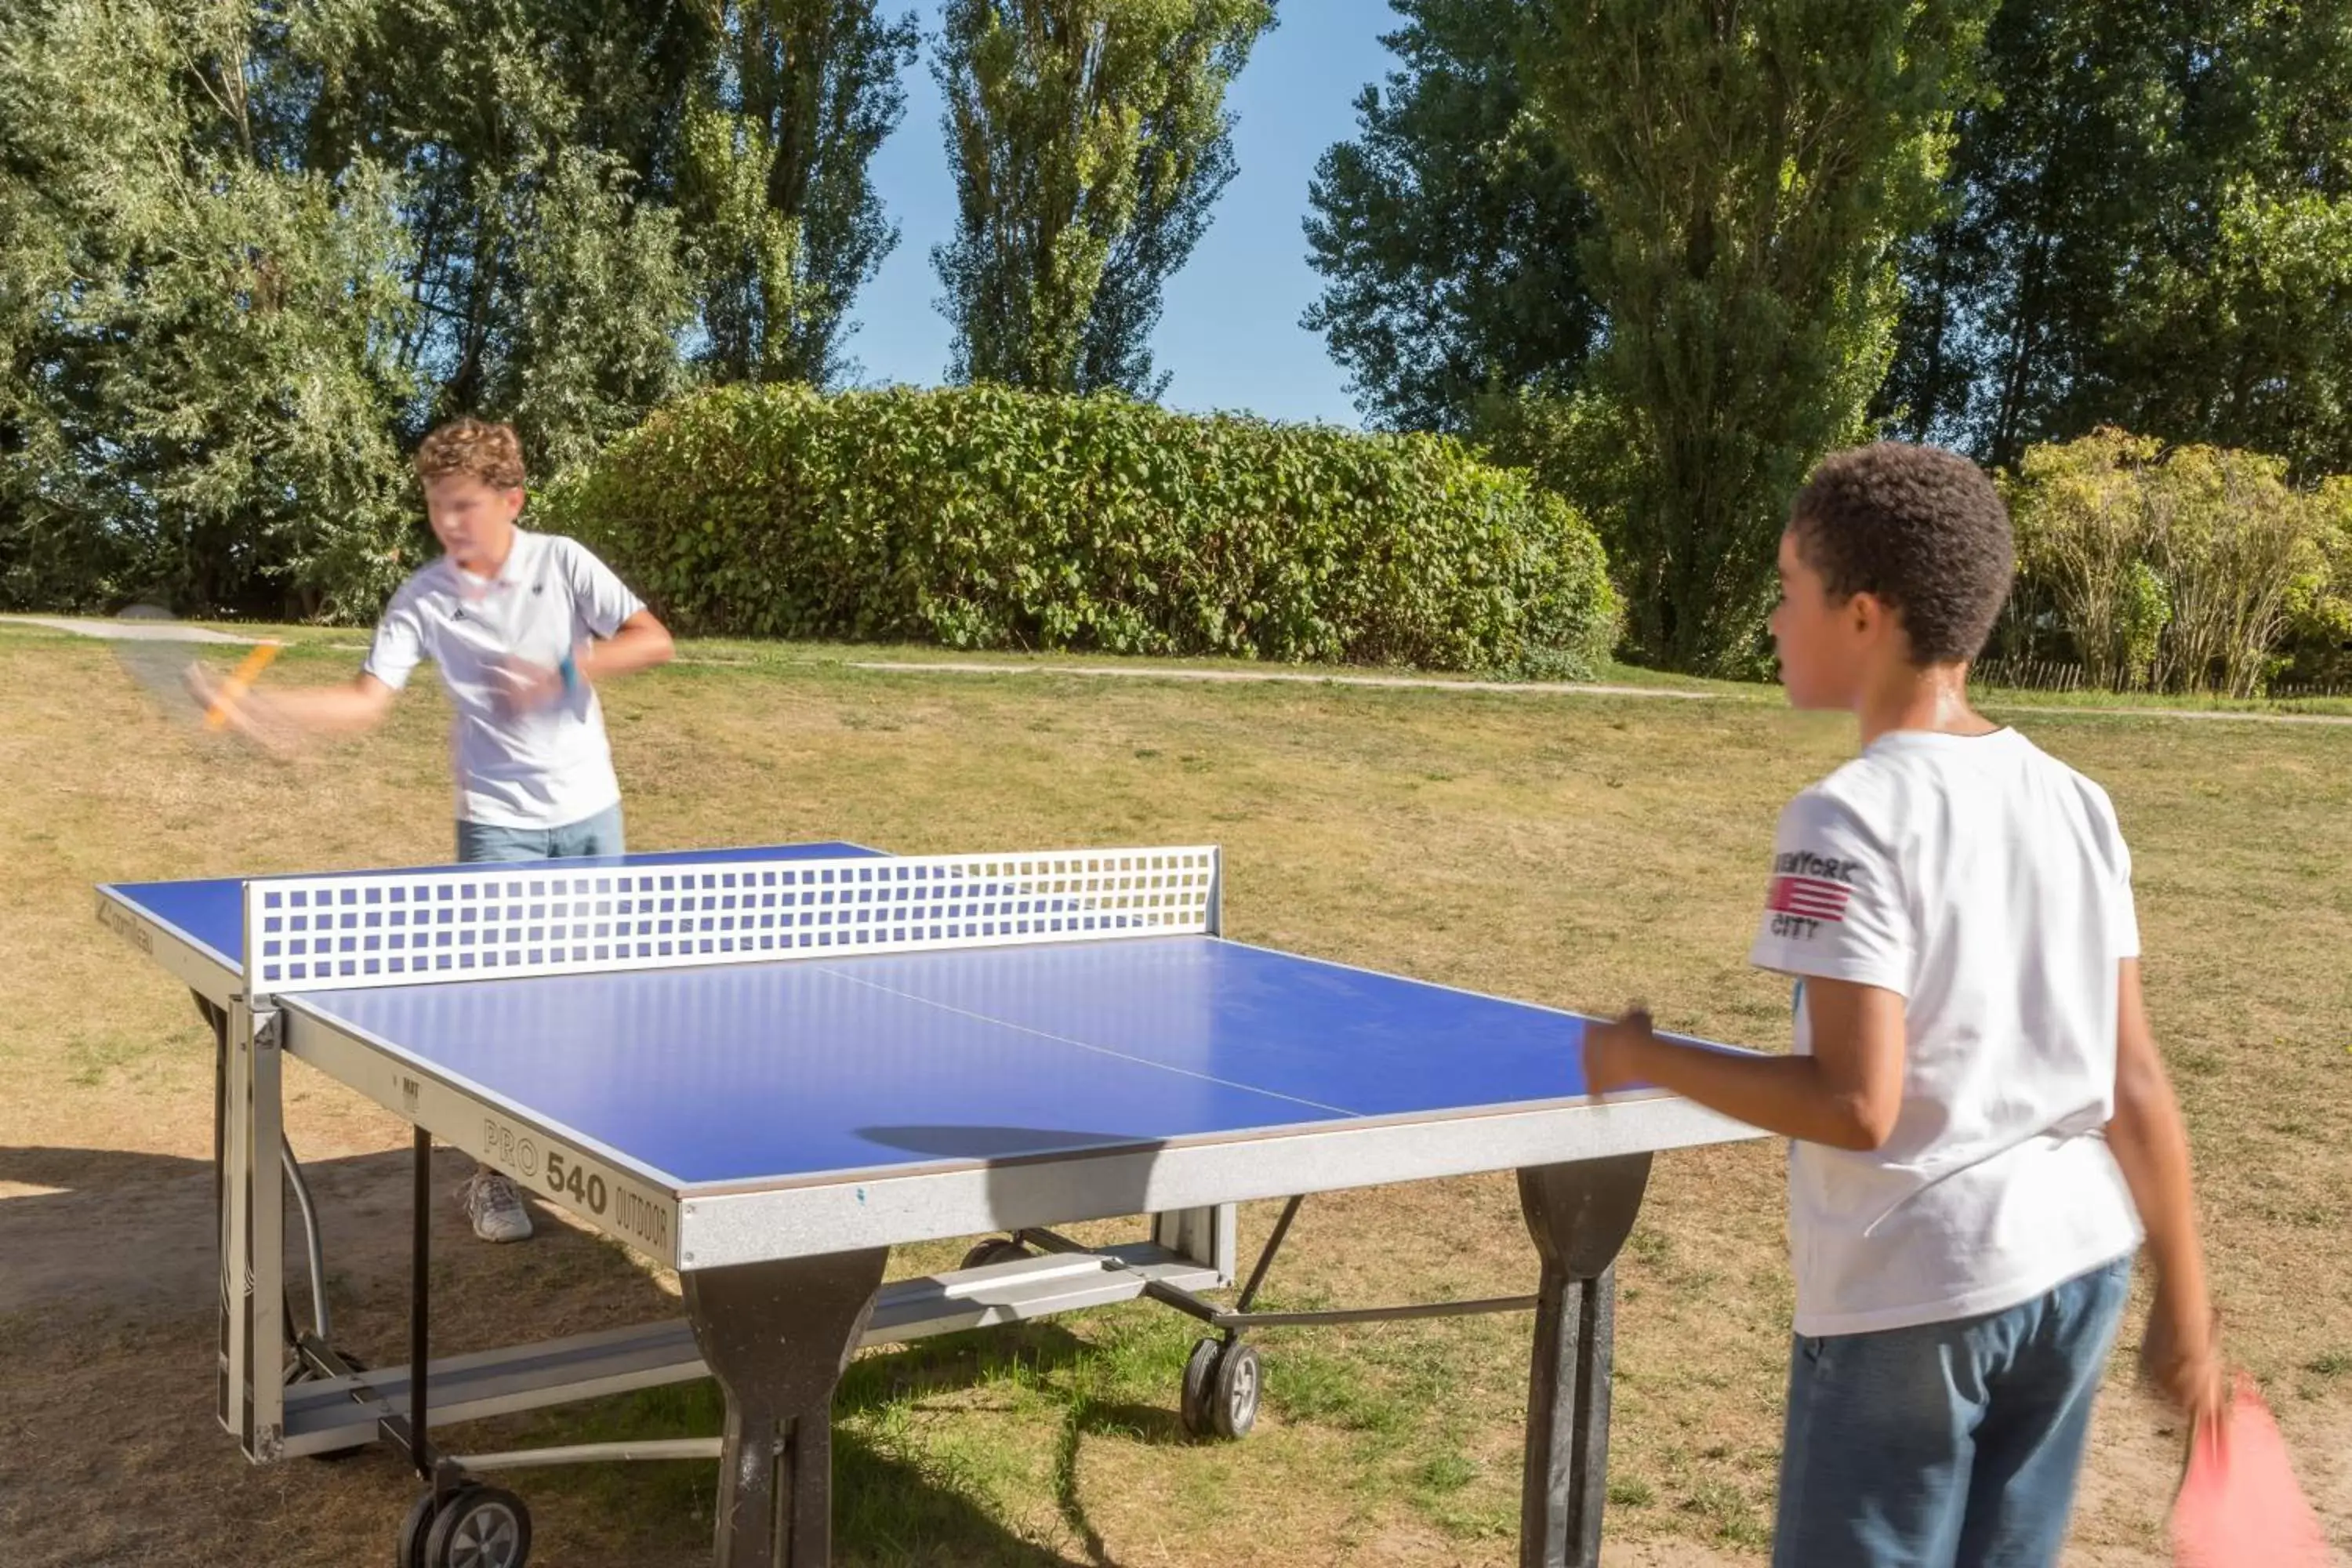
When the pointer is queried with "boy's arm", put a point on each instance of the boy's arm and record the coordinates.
(636, 640)
(638, 643)
(2150, 1143)
(357, 704)
(1846, 1094)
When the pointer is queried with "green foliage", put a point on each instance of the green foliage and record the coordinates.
(2251, 342)
(2144, 223)
(1578, 445)
(1089, 140)
(512, 124)
(196, 391)
(2317, 648)
(248, 251)
(780, 207)
(1752, 169)
(988, 518)
(2178, 570)
(1448, 232)
(601, 296)
(712, 157)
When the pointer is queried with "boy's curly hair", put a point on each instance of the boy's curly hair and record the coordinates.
(476, 448)
(1920, 528)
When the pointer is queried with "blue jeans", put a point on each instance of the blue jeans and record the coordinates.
(597, 834)
(1949, 1445)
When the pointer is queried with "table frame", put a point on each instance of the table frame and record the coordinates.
(816, 1250)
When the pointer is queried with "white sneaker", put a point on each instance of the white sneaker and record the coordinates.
(496, 1208)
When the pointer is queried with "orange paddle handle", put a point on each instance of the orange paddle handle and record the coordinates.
(239, 678)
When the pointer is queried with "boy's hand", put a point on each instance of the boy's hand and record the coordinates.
(242, 711)
(2180, 1359)
(528, 687)
(1613, 1053)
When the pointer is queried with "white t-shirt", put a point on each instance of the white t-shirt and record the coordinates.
(1987, 884)
(546, 769)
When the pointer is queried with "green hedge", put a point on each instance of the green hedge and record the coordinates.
(985, 518)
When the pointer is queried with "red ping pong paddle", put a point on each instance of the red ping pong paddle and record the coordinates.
(2239, 1506)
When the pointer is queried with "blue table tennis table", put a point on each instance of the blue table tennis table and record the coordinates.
(763, 1068)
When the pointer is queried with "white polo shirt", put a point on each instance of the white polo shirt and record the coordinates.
(1987, 885)
(546, 769)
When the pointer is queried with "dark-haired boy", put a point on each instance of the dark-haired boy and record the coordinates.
(1984, 1132)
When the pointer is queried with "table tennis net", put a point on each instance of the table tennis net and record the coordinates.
(511, 921)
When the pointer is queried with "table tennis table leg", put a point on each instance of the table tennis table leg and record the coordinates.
(217, 1018)
(224, 1408)
(777, 1337)
(251, 1401)
(1579, 1215)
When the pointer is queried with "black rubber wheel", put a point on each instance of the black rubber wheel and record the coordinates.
(481, 1527)
(995, 1249)
(1232, 1395)
(1200, 1371)
(409, 1551)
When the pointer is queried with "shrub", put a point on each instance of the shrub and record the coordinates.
(2317, 650)
(982, 517)
(2178, 570)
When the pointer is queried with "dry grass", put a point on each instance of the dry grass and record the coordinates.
(1575, 851)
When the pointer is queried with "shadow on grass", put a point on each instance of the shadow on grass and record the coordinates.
(1088, 1417)
(888, 1508)
(888, 1512)
(896, 1501)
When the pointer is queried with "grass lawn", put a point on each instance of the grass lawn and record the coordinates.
(1574, 851)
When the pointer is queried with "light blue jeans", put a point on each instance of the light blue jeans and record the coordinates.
(1949, 1445)
(595, 835)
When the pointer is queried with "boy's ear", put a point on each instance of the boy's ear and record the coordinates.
(1868, 614)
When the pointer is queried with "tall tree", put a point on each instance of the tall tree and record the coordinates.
(779, 206)
(1089, 140)
(1448, 232)
(755, 121)
(248, 249)
(492, 111)
(2143, 224)
(1753, 166)
(196, 377)
(601, 292)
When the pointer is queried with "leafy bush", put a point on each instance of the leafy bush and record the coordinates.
(2317, 650)
(1580, 445)
(982, 517)
(2176, 570)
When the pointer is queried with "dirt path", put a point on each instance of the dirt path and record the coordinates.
(1284, 677)
(176, 632)
(1524, 688)
(132, 630)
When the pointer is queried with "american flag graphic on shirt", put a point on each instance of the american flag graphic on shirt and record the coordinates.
(1809, 898)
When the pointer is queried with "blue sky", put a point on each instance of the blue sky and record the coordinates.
(1231, 332)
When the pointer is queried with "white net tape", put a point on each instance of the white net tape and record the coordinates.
(507, 921)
